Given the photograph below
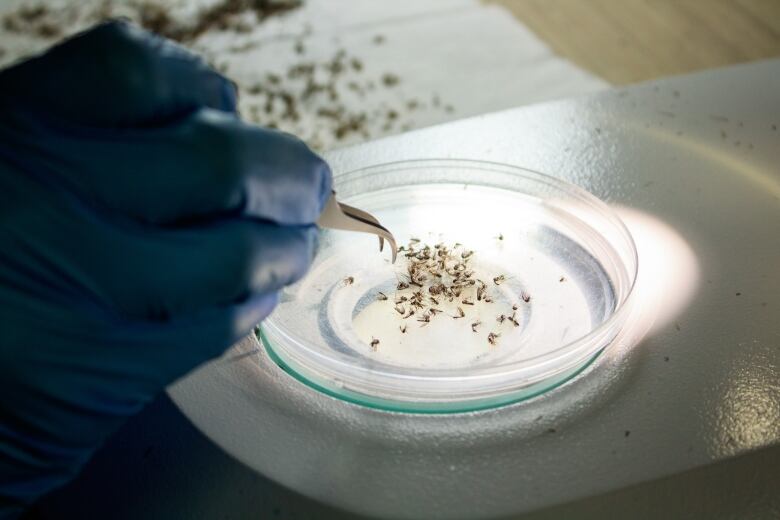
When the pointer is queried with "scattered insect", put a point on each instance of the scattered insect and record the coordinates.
(374, 343)
(349, 280)
(439, 273)
(436, 289)
(563, 279)
(525, 296)
(500, 236)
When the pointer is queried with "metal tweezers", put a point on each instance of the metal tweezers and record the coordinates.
(341, 216)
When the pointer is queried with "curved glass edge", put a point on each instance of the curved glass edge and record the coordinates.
(423, 407)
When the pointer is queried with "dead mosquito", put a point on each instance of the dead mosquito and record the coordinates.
(492, 337)
(498, 280)
(481, 290)
(403, 329)
(466, 301)
(425, 319)
(381, 296)
(374, 343)
(475, 325)
(402, 285)
(400, 309)
(436, 289)
(349, 280)
(501, 318)
(525, 296)
(461, 314)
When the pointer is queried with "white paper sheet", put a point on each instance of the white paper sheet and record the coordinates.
(453, 59)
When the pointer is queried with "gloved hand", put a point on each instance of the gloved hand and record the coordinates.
(144, 228)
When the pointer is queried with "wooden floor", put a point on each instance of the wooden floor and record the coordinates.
(626, 41)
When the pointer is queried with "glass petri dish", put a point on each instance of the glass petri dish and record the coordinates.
(556, 262)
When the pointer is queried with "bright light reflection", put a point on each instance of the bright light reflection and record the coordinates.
(668, 274)
(668, 269)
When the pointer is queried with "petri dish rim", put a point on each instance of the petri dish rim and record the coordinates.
(428, 407)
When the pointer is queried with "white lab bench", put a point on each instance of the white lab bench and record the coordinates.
(694, 163)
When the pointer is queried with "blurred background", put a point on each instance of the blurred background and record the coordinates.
(339, 72)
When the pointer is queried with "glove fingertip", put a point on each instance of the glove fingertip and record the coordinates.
(326, 184)
(252, 311)
(229, 95)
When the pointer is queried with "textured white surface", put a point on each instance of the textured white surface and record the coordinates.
(695, 158)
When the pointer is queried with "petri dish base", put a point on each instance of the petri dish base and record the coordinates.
(550, 255)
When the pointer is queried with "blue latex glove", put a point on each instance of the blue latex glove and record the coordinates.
(144, 228)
